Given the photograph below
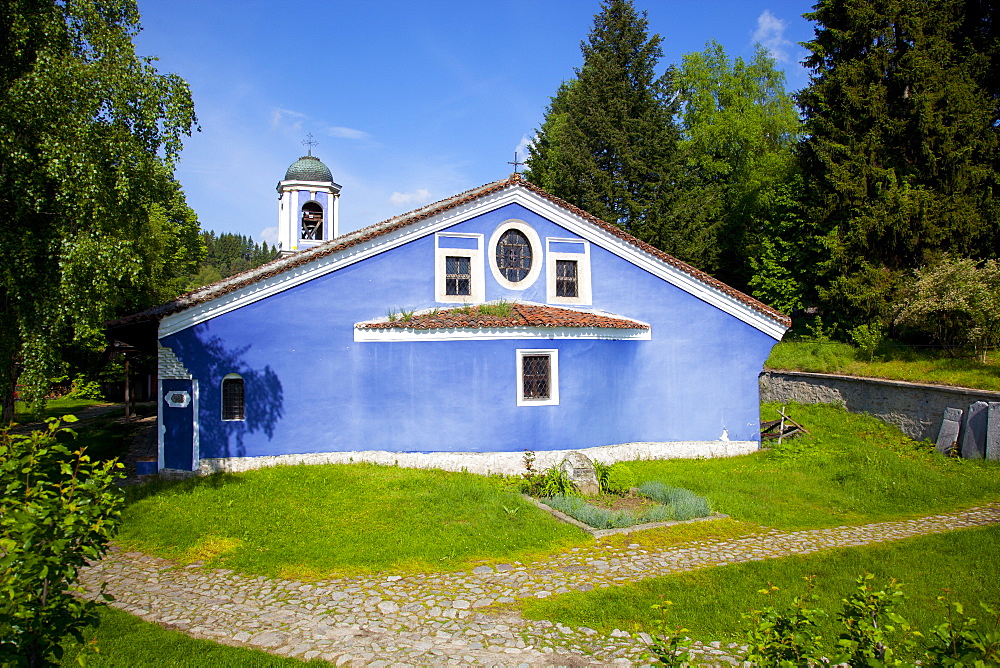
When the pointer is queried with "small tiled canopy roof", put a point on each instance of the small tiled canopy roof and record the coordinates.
(275, 267)
(521, 315)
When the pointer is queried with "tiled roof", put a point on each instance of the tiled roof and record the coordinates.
(280, 265)
(521, 315)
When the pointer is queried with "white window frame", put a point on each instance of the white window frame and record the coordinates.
(584, 296)
(537, 254)
(553, 355)
(475, 266)
(222, 398)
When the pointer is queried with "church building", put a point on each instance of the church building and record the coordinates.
(458, 335)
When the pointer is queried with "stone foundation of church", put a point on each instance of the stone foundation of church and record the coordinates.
(508, 463)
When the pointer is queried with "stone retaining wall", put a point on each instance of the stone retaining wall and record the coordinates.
(916, 408)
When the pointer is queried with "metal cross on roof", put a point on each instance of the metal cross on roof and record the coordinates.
(310, 142)
(515, 163)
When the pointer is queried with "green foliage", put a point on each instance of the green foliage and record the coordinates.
(684, 503)
(785, 637)
(499, 309)
(868, 618)
(553, 481)
(894, 361)
(94, 224)
(902, 131)
(58, 510)
(85, 389)
(608, 141)
(620, 479)
(670, 645)
(868, 338)
(738, 128)
(601, 471)
(961, 640)
(603, 518)
(955, 301)
(228, 254)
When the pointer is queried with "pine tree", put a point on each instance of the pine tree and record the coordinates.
(901, 161)
(608, 142)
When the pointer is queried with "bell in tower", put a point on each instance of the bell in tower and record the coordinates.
(307, 204)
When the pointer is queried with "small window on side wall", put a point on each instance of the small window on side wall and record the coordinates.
(537, 377)
(233, 398)
(568, 271)
(458, 268)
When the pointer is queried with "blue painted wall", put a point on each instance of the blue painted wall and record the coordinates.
(311, 388)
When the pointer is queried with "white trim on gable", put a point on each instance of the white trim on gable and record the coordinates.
(266, 287)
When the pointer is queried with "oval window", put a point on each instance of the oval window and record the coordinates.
(514, 255)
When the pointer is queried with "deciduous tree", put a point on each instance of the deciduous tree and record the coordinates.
(91, 219)
(738, 129)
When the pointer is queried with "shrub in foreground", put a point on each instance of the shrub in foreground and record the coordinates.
(58, 510)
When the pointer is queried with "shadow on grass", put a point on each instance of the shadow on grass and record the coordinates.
(135, 493)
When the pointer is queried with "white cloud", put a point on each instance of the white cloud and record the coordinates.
(770, 33)
(522, 147)
(270, 235)
(345, 133)
(287, 119)
(415, 198)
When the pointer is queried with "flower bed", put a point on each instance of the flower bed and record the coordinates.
(650, 502)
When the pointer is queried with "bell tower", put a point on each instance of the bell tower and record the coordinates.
(308, 202)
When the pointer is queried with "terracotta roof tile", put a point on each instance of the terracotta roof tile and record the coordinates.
(522, 315)
(280, 265)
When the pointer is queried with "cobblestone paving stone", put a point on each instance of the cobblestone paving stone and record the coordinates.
(445, 618)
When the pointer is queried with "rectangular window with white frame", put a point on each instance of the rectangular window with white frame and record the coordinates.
(537, 377)
(458, 268)
(568, 271)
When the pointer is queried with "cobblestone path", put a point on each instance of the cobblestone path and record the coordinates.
(444, 618)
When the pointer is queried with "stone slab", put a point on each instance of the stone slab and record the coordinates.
(974, 431)
(578, 467)
(951, 425)
(993, 431)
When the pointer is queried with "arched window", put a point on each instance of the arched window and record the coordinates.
(233, 398)
(312, 221)
(514, 255)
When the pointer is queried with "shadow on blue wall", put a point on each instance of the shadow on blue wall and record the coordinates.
(208, 360)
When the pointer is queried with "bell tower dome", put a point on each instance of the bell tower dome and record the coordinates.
(307, 205)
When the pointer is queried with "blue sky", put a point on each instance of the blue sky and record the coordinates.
(411, 101)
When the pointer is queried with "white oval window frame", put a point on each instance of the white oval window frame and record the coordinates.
(537, 256)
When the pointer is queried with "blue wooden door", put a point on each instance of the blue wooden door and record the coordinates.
(178, 405)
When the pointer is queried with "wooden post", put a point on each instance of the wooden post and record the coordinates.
(128, 392)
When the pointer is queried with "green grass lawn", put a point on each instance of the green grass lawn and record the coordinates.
(124, 641)
(850, 469)
(893, 362)
(709, 603)
(53, 408)
(312, 521)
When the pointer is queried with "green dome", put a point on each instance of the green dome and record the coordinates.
(308, 168)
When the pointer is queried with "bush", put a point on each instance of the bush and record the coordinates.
(58, 510)
(85, 389)
(620, 479)
(684, 504)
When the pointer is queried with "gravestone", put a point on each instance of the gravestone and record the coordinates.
(580, 470)
(993, 431)
(974, 431)
(951, 424)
